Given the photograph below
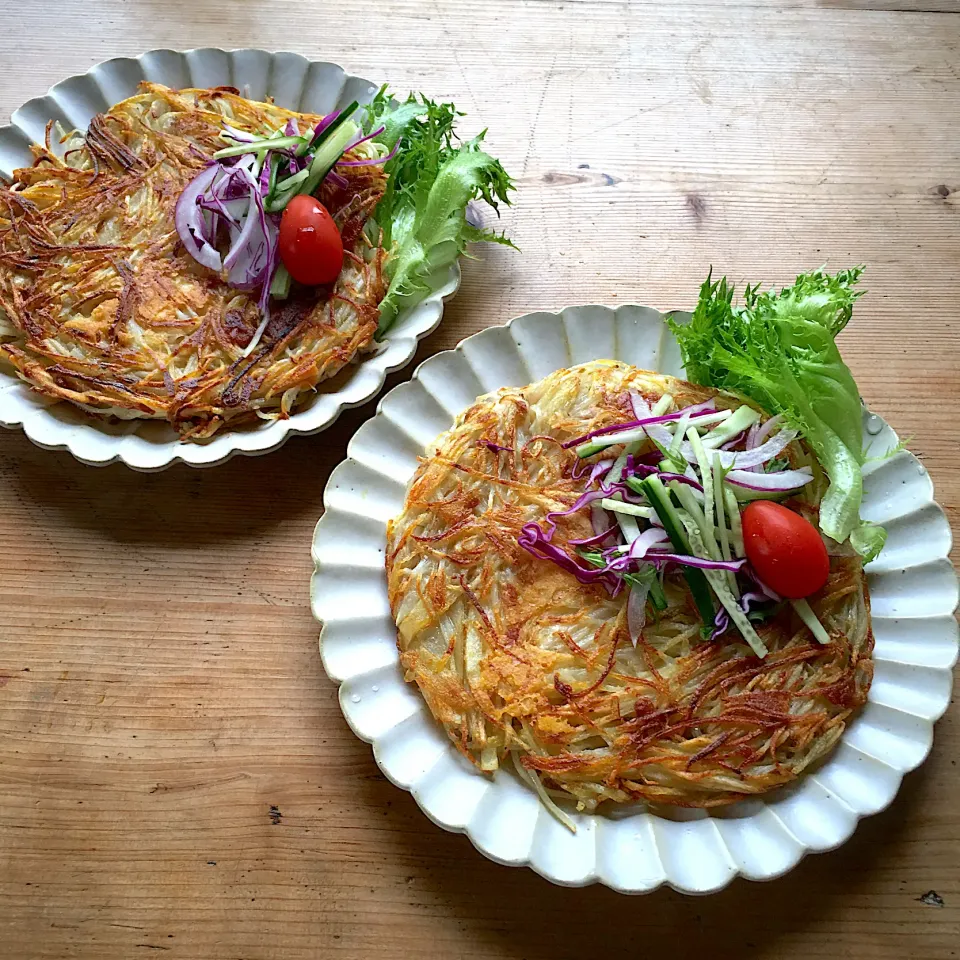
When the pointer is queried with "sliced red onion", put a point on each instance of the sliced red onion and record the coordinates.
(222, 209)
(637, 611)
(640, 406)
(682, 478)
(766, 451)
(752, 442)
(730, 444)
(733, 566)
(741, 459)
(189, 220)
(721, 623)
(234, 195)
(642, 409)
(770, 482)
(649, 538)
(241, 136)
(240, 245)
(764, 429)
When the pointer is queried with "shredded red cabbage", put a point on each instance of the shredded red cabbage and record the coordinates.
(721, 623)
(534, 541)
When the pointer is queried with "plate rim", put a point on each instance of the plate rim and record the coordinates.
(594, 876)
(107, 449)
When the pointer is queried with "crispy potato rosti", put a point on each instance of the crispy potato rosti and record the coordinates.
(514, 656)
(100, 304)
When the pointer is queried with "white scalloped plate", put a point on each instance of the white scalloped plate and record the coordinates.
(912, 585)
(294, 82)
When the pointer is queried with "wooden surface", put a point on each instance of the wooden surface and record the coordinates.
(175, 774)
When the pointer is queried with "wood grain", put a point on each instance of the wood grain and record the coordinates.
(175, 774)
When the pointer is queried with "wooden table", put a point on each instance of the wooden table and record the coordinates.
(175, 774)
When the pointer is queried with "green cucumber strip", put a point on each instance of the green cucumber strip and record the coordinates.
(280, 288)
(745, 496)
(659, 499)
(657, 597)
(618, 506)
(591, 447)
(329, 153)
(721, 512)
(662, 406)
(270, 143)
(628, 527)
(718, 582)
(674, 452)
(706, 473)
(743, 624)
(588, 449)
(282, 194)
(806, 614)
(636, 486)
(741, 418)
(733, 514)
(272, 185)
(325, 134)
(690, 503)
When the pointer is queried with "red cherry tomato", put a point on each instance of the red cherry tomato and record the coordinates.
(310, 244)
(784, 549)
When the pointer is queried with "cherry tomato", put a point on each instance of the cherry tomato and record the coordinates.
(310, 244)
(784, 549)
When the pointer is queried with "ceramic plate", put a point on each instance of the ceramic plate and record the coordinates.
(294, 82)
(913, 592)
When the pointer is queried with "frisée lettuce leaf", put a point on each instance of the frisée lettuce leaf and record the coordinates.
(779, 350)
(432, 177)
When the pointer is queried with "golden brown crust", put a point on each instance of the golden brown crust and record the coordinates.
(101, 306)
(514, 656)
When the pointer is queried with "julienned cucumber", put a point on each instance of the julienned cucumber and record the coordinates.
(328, 131)
(270, 143)
(329, 153)
(656, 493)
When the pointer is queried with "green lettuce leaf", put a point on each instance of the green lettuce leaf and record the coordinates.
(430, 182)
(779, 350)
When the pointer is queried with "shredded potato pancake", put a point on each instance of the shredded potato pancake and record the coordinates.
(515, 657)
(100, 304)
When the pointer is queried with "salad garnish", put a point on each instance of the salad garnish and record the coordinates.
(238, 217)
(698, 487)
(779, 350)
